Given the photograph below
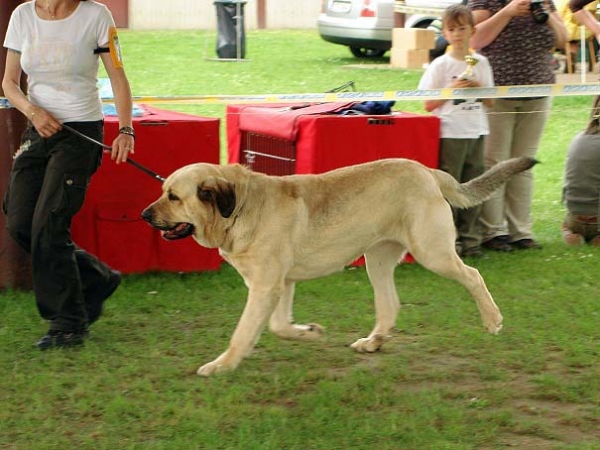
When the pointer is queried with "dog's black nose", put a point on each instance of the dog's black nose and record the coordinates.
(147, 215)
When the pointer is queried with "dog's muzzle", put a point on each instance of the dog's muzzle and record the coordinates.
(178, 231)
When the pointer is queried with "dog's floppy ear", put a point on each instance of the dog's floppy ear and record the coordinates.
(218, 191)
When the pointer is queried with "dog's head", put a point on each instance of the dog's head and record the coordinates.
(194, 202)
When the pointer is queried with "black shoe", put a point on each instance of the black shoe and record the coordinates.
(62, 339)
(498, 244)
(525, 244)
(95, 301)
(472, 252)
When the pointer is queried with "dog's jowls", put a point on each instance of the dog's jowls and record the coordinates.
(279, 230)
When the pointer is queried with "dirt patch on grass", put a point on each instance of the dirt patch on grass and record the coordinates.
(531, 410)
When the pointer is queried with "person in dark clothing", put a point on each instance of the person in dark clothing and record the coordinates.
(59, 44)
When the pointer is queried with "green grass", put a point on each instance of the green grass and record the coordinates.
(440, 383)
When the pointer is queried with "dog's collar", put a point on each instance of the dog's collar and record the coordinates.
(238, 208)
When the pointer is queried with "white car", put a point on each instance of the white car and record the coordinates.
(365, 26)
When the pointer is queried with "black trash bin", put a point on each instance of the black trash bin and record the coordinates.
(231, 36)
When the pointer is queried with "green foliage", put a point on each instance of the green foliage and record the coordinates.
(440, 383)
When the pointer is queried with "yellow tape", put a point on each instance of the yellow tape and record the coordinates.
(537, 90)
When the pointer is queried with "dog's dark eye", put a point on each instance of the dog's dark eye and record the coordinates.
(173, 197)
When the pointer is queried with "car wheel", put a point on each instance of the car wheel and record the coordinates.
(361, 52)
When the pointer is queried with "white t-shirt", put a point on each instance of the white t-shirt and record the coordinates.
(461, 119)
(58, 58)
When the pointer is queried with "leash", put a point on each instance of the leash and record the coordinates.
(108, 147)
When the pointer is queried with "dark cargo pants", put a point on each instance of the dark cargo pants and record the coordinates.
(47, 187)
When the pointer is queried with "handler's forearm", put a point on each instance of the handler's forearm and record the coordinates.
(17, 98)
(430, 105)
(489, 28)
(559, 29)
(123, 101)
(586, 18)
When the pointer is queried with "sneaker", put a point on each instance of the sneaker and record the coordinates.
(525, 244)
(95, 302)
(472, 252)
(62, 339)
(498, 244)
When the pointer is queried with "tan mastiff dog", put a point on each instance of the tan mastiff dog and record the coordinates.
(279, 230)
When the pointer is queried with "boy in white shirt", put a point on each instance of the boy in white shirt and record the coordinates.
(464, 123)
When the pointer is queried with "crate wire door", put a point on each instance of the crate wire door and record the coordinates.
(268, 154)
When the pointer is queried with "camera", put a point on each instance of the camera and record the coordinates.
(538, 11)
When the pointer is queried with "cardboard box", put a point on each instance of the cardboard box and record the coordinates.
(413, 38)
(408, 59)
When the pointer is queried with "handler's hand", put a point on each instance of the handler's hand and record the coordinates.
(44, 122)
(122, 146)
(517, 8)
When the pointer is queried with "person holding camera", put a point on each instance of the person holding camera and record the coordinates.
(517, 37)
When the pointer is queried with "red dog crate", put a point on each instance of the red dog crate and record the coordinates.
(278, 140)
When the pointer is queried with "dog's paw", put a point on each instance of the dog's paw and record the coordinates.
(370, 344)
(494, 325)
(213, 368)
(308, 332)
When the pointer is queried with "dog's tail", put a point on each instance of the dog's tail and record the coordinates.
(480, 189)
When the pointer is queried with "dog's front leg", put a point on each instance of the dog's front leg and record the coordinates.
(259, 306)
(282, 323)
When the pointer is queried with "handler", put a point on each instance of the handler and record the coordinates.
(58, 44)
(581, 192)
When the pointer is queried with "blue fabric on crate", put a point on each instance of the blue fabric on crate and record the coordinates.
(106, 93)
(371, 108)
(105, 89)
(109, 109)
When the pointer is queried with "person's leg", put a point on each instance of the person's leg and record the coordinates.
(467, 219)
(98, 280)
(502, 119)
(57, 284)
(24, 186)
(528, 130)
(452, 156)
(451, 160)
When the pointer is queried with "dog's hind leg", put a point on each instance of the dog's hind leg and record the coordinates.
(446, 262)
(381, 262)
(282, 324)
(432, 243)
